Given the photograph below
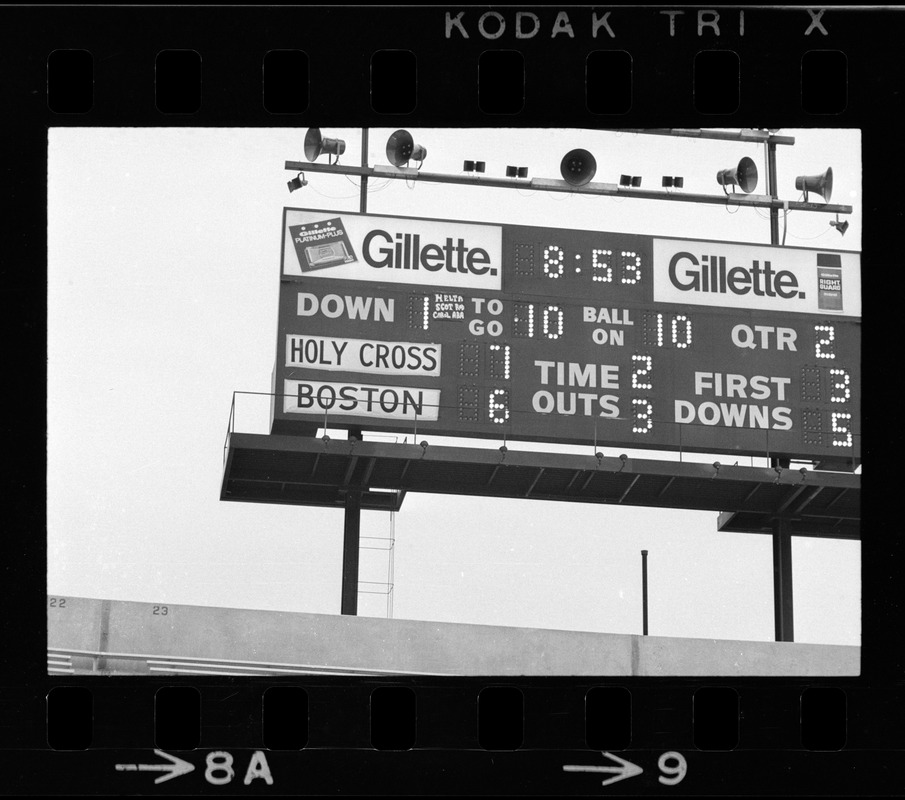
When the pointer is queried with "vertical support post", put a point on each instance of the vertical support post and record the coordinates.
(782, 539)
(363, 206)
(351, 539)
(351, 544)
(771, 190)
(782, 581)
(100, 663)
(644, 590)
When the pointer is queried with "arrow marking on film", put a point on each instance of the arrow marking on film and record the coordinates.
(175, 768)
(625, 769)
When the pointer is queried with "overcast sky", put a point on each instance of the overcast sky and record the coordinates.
(163, 276)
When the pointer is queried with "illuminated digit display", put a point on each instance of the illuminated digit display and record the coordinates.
(602, 271)
(826, 336)
(841, 423)
(641, 372)
(643, 415)
(553, 261)
(499, 405)
(553, 322)
(841, 386)
(569, 336)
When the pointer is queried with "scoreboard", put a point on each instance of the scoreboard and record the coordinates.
(574, 336)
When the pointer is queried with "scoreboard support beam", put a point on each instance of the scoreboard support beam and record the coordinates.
(363, 204)
(771, 190)
(782, 539)
(351, 544)
(782, 581)
(351, 537)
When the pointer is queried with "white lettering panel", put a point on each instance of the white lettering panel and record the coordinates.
(327, 399)
(362, 355)
(757, 277)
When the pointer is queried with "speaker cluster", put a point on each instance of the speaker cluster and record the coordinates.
(577, 167)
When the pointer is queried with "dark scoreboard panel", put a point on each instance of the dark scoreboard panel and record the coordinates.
(582, 342)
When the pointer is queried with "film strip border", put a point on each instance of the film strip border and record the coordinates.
(573, 65)
(239, 83)
(394, 85)
(459, 736)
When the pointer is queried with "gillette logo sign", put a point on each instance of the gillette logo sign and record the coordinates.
(709, 273)
(406, 251)
(394, 250)
(759, 277)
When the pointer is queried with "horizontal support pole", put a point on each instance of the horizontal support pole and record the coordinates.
(552, 185)
(741, 135)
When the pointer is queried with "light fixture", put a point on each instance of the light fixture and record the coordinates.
(468, 166)
(839, 225)
(316, 145)
(516, 172)
(636, 181)
(673, 182)
(401, 149)
(625, 180)
(577, 167)
(297, 182)
(819, 184)
(744, 176)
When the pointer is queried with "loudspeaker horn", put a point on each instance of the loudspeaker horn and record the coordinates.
(578, 167)
(819, 184)
(316, 145)
(744, 175)
(401, 148)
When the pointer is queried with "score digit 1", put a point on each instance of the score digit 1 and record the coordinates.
(499, 360)
(551, 321)
(668, 330)
(680, 330)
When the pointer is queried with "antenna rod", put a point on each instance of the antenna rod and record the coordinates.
(644, 589)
